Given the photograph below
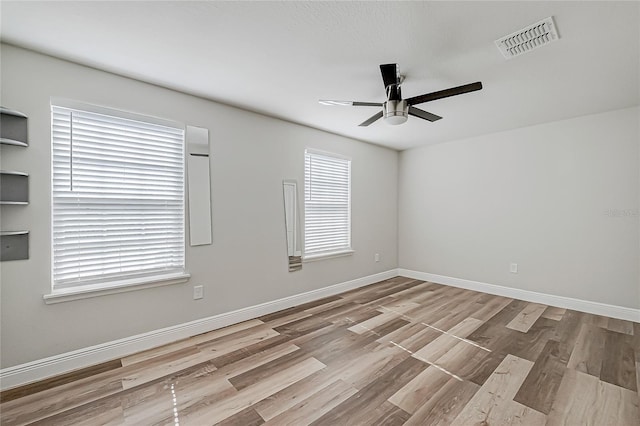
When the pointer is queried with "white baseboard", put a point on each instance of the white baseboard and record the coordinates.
(59, 364)
(587, 306)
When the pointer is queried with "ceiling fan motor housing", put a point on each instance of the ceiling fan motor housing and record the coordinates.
(395, 111)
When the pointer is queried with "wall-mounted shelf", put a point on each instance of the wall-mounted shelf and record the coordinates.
(14, 187)
(13, 127)
(14, 245)
(5, 141)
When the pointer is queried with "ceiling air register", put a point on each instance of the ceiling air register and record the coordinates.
(529, 38)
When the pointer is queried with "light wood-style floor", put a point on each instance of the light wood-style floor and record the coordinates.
(397, 352)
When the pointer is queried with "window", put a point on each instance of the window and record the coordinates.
(118, 198)
(327, 204)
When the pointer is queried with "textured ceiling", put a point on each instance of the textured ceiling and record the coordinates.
(279, 58)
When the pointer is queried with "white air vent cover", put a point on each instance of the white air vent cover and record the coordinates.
(529, 38)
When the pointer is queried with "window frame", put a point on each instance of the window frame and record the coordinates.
(126, 282)
(339, 252)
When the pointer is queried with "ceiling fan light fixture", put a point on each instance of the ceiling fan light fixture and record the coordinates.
(395, 112)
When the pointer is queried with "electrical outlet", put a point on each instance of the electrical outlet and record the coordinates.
(376, 257)
(198, 292)
(513, 268)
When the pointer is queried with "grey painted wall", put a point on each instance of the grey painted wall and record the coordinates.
(536, 196)
(247, 263)
(559, 199)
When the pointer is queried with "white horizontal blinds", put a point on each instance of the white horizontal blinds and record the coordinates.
(327, 190)
(118, 198)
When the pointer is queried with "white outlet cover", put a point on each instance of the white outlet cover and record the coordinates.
(513, 268)
(198, 292)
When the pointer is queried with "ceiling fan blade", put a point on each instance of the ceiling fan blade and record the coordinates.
(378, 104)
(348, 103)
(390, 74)
(466, 88)
(371, 119)
(417, 112)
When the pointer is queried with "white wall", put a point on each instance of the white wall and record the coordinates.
(543, 197)
(246, 265)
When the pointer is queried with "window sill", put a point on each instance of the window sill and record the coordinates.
(113, 287)
(323, 256)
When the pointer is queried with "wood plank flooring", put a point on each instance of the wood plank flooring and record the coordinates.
(397, 352)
